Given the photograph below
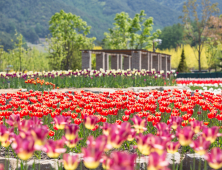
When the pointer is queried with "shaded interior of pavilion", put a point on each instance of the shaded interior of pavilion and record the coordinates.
(127, 59)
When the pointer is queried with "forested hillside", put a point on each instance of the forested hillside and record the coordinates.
(30, 17)
(177, 5)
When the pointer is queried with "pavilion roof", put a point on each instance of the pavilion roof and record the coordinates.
(122, 51)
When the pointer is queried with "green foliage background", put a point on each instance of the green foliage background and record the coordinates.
(31, 17)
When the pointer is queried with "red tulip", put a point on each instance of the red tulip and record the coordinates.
(51, 133)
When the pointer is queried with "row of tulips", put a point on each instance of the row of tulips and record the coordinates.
(169, 137)
(211, 85)
(103, 126)
(198, 82)
(88, 78)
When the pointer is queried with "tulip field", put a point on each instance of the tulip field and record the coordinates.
(103, 128)
(85, 78)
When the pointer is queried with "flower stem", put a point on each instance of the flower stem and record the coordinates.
(181, 159)
(199, 168)
(173, 161)
(194, 162)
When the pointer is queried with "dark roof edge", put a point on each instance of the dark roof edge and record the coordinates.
(104, 50)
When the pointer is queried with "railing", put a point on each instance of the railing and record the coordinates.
(200, 75)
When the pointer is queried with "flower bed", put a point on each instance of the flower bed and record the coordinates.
(86, 78)
(200, 82)
(106, 126)
(211, 85)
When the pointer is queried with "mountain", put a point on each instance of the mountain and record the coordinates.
(177, 5)
(30, 17)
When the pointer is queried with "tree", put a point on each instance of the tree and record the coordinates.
(182, 65)
(55, 52)
(190, 9)
(213, 52)
(68, 37)
(1, 55)
(19, 49)
(214, 29)
(171, 36)
(5, 40)
(129, 33)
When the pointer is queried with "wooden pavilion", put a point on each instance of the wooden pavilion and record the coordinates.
(127, 59)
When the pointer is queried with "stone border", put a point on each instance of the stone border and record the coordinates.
(11, 163)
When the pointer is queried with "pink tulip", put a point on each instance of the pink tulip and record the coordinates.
(2, 167)
(70, 161)
(132, 135)
(200, 145)
(60, 121)
(94, 151)
(54, 148)
(214, 158)
(106, 128)
(90, 121)
(196, 126)
(25, 125)
(118, 134)
(159, 144)
(162, 126)
(172, 147)
(175, 122)
(165, 134)
(72, 143)
(36, 122)
(139, 124)
(13, 120)
(24, 147)
(157, 162)
(71, 131)
(185, 135)
(122, 161)
(144, 143)
(40, 136)
(210, 134)
(4, 133)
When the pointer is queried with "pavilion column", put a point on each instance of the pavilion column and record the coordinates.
(169, 63)
(115, 62)
(86, 60)
(127, 62)
(158, 58)
(100, 61)
(164, 64)
(120, 61)
(145, 61)
(148, 67)
(156, 62)
(151, 61)
(106, 61)
(136, 60)
(160, 62)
